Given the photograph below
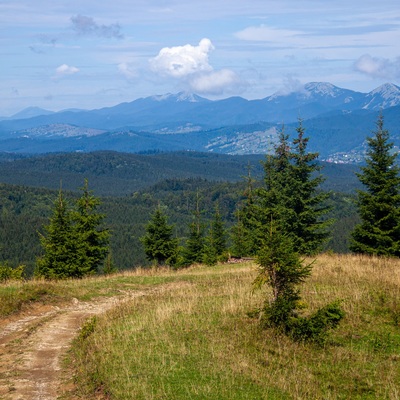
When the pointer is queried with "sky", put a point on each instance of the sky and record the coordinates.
(88, 54)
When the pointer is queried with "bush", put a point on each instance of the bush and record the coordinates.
(315, 327)
(8, 273)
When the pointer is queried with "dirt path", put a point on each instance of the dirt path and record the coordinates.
(31, 347)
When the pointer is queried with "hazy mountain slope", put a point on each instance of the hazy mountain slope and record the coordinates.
(112, 173)
(183, 108)
(337, 120)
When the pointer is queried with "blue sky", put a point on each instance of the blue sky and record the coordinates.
(58, 54)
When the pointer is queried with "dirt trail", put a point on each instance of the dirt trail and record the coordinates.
(31, 347)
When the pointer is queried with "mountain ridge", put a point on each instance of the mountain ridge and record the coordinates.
(337, 119)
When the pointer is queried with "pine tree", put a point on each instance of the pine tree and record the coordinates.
(193, 252)
(210, 256)
(307, 226)
(74, 244)
(379, 205)
(219, 233)
(282, 269)
(290, 194)
(215, 248)
(59, 244)
(244, 233)
(273, 198)
(93, 239)
(159, 244)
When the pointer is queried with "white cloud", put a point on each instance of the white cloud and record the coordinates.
(190, 65)
(127, 70)
(264, 33)
(291, 84)
(378, 67)
(215, 82)
(181, 61)
(64, 70)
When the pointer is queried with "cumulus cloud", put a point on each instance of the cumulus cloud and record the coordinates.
(64, 70)
(127, 70)
(215, 82)
(86, 26)
(190, 64)
(378, 67)
(181, 61)
(291, 84)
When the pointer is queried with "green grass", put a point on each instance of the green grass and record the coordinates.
(188, 336)
(19, 295)
(194, 340)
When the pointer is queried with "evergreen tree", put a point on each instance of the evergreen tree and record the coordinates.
(290, 194)
(59, 244)
(159, 244)
(93, 239)
(273, 202)
(379, 205)
(193, 252)
(283, 270)
(215, 248)
(240, 242)
(244, 234)
(308, 228)
(210, 256)
(74, 244)
(109, 266)
(219, 233)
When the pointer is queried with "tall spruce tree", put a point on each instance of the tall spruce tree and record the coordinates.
(219, 233)
(244, 233)
(210, 256)
(159, 244)
(290, 194)
(215, 248)
(194, 249)
(59, 244)
(74, 243)
(378, 205)
(309, 229)
(92, 237)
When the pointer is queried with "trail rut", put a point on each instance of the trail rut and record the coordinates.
(32, 346)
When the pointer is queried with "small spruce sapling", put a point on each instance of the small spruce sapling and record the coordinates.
(283, 270)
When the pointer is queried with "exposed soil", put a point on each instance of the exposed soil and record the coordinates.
(32, 346)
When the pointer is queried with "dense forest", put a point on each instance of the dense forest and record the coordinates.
(24, 210)
(117, 174)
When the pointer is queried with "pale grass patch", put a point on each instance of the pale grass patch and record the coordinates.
(192, 339)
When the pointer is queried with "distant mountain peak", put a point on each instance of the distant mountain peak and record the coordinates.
(385, 90)
(322, 89)
(384, 96)
(30, 112)
(179, 97)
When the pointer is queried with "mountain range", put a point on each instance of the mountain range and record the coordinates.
(337, 121)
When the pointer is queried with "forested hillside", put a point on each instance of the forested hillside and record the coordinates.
(115, 174)
(24, 211)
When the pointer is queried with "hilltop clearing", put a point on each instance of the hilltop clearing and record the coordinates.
(187, 334)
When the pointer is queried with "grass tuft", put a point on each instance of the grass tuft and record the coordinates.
(194, 339)
(186, 334)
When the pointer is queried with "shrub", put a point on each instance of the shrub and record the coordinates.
(315, 327)
(8, 273)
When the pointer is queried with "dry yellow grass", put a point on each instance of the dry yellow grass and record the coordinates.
(193, 339)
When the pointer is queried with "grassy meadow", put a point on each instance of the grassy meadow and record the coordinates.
(187, 335)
